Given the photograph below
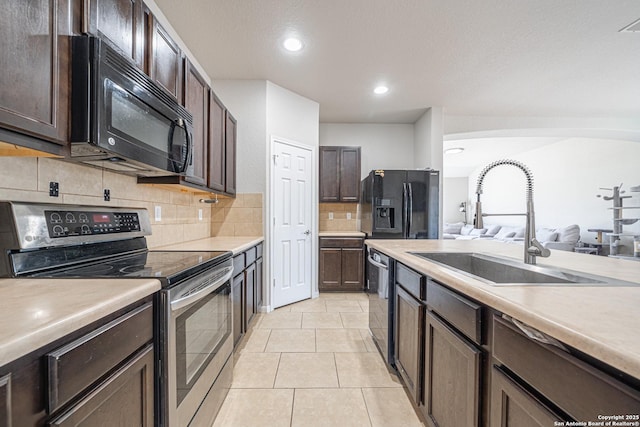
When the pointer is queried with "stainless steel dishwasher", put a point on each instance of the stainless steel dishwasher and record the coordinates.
(381, 296)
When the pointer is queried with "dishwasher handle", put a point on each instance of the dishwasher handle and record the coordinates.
(377, 263)
(198, 293)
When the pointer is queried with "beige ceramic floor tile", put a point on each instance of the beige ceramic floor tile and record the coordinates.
(250, 408)
(255, 370)
(281, 309)
(340, 340)
(364, 370)
(329, 407)
(368, 340)
(364, 304)
(255, 341)
(358, 296)
(280, 320)
(321, 320)
(355, 320)
(344, 306)
(389, 407)
(292, 341)
(316, 305)
(306, 370)
(341, 296)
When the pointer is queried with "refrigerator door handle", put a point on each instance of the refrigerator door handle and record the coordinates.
(410, 210)
(405, 211)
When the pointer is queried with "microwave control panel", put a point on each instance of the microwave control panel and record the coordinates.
(85, 223)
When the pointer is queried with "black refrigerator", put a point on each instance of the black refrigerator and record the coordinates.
(400, 204)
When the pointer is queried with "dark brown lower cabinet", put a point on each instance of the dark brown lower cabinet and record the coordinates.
(250, 292)
(101, 375)
(123, 399)
(341, 264)
(259, 283)
(451, 377)
(5, 400)
(409, 332)
(513, 406)
(237, 301)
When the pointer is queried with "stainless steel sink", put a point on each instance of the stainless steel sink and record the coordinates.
(507, 272)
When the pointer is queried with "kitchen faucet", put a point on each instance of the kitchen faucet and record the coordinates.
(532, 248)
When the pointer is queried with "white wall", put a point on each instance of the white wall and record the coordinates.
(383, 146)
(428, 140)
(567, 177)
(247, 101)
(455, 191)
(292, 116)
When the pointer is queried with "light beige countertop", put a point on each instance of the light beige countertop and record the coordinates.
(602, 321)
(341, 234)
(36, 312)
(233, 244)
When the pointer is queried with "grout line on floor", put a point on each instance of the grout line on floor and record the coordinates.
(366, 406)
(273, 386)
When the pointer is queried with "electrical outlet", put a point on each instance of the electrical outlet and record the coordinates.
(54, 189)
(200, 214)
(348, 215)
(330, 215)
(158, 213)
(107, 195)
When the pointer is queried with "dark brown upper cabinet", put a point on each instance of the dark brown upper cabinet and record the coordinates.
(230, 142)
(196, 101)
(164, 58)
(35, 74)
(217, 119)
(339, 174)
(121, 22)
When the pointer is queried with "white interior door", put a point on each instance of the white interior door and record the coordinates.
(291, 198)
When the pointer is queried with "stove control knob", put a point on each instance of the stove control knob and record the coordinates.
(58, 231)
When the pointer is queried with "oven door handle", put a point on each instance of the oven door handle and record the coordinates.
(200, 293)
(376, 263)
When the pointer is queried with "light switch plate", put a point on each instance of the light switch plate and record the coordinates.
(348, 215)
(200, 214)
(158, 213)
(330, 215)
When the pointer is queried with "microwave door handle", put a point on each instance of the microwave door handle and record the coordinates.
(410, 210)
(201, 293)
(187, 159)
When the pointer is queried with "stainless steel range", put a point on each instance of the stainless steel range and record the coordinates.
(193, 336)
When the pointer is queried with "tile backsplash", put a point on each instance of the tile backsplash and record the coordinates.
(241, 216)
(27, 179)
(340, 213)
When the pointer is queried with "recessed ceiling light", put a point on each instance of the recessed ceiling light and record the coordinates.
(634, 27)
(381, 90)
(456, 150)
(292, 44)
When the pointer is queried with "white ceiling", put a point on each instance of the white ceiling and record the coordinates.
(479, 152)
(493, 57)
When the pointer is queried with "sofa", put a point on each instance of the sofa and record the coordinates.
(564, 238)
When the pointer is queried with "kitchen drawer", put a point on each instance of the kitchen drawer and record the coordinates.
(411, 281)
(259, 249)
(250, 256)
(341, 242)
(580, 390)
(464, 315)
(77, 365)
(238, 264)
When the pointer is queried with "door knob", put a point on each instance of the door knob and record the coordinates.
(307, 232)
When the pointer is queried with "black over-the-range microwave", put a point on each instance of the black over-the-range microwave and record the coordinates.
(121, 119)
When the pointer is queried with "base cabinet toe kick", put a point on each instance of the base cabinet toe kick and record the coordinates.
(464, 363)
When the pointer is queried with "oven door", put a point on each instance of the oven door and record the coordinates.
(199, 340)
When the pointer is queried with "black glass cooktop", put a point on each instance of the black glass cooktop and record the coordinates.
(168, 266)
